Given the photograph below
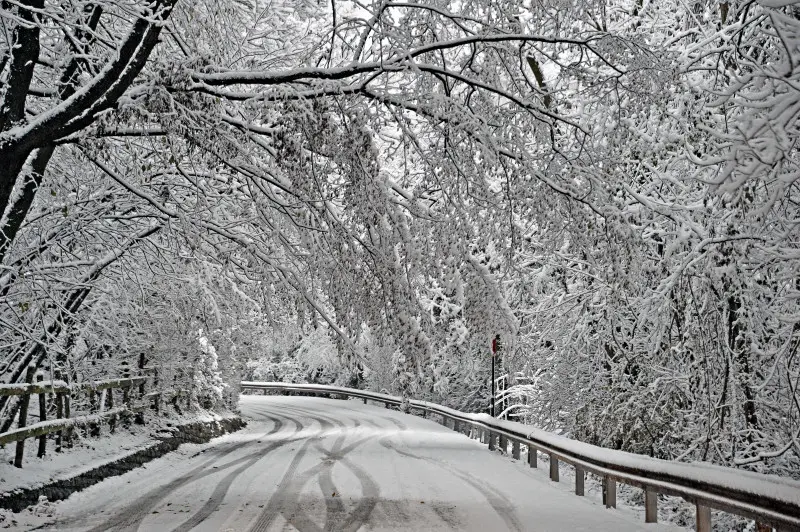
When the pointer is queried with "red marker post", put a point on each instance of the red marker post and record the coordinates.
(495, 347)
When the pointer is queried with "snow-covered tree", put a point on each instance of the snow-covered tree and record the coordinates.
(608, 185)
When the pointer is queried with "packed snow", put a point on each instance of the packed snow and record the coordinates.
(309, 463)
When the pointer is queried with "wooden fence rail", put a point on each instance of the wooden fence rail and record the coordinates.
(58, 386)
(58, 425)
(101, 399)
(773, 502)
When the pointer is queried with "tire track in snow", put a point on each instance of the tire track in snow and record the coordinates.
(131, 517)
(280, 500)
(226, 449)
(334, 506)
(359, 516)
(399, 424)
(499, 503)
(221, 489)
(286, 502)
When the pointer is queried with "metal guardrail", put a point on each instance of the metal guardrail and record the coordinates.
(771, 501)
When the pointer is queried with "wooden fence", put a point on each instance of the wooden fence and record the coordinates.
(770, 501)
(131, 401)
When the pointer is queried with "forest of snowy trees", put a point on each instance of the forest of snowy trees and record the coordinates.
(369, 192)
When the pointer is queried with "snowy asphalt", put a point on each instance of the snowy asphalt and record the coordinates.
(313, 464)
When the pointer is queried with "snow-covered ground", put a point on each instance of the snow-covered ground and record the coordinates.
(87, 454)
(318, 464)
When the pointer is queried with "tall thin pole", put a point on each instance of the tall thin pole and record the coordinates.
(493, 385)
(494, 351)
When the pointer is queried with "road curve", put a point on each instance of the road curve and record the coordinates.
(317, 465)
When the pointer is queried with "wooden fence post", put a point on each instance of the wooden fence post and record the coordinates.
(139, 418)
(23, 417)
(110, 403)
(125, 418)
(126, 400)
(59, 397)
(42, 417)
(67, 434)
(190, 389)
(94, 427)
(503, 444)
(59, 415)
(515, 449)
(157, 397)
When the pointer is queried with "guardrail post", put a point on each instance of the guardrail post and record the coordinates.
(365, 400)
(515, 450)
(703, 518)
(503, 444)
(553, 468)
(533, 456)
(650, 505)
(42, 417)
(492, 441)
(580, 477)
(23, 417)
(609, 492)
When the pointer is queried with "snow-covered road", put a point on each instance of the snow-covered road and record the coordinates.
(314, 464)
